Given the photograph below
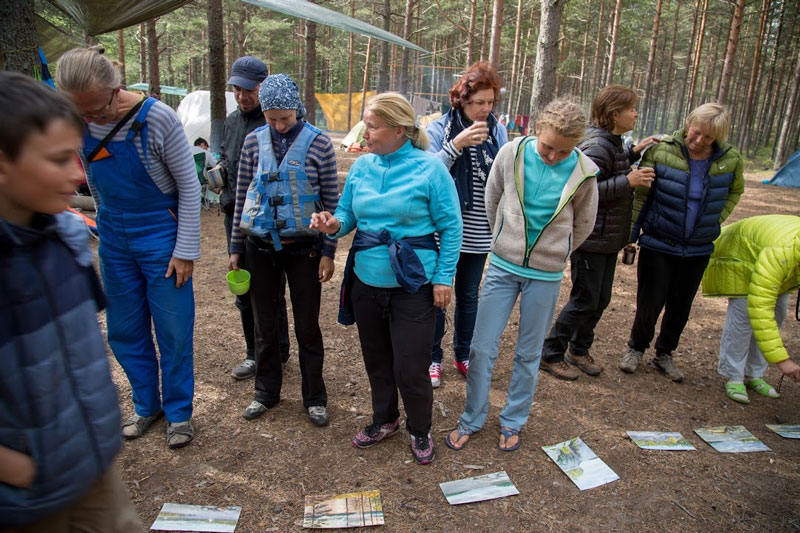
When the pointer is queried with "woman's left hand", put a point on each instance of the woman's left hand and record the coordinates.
(645, 143)
(441, 295)
(326, 268)
(182, 268)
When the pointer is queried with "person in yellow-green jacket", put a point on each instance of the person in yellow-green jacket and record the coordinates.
(756, 264)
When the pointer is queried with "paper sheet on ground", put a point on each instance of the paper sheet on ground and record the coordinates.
(731, 439)
(478, 488)
(180, 517)
(354, 509)
(579, 462)
(659, 440)
(788, 431)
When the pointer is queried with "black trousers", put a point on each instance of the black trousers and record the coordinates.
(592, 279)
(300, 266)
(667, 282)
(396, 332)
(246, 309)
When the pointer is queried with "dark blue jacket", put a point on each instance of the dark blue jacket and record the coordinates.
(57, 401)
(660, 212)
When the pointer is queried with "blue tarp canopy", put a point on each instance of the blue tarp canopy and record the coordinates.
(789, 174)
(165, 89)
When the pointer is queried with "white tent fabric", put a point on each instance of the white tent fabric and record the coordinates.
(194, 111)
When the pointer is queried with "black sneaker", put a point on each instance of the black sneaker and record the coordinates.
(318, 415)
(254, 410)
(374, 433)
(422, 449)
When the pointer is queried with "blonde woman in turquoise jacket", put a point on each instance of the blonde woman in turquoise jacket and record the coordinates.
(756, 264)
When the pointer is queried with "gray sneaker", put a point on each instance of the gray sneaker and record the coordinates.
(244, 370)
(318, 415)
(630, 361)
(254, 410)
(664, 363)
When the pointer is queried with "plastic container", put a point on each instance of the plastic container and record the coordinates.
(238, 281)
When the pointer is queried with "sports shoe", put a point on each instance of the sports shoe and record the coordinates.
(559, 369)
(630, 361)
(435, 372)
(664, 363)
(244, 370)
(584, 362)
(374, 433)
(254, 410)
(422, 449)
(318, 415)
(461, 366)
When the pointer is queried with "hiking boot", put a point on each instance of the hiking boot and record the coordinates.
(374, 433)
(318, 415)
(664, 363)
(254, 410)
(630, 361)
(584, 362)
(461, 366)
(422, 449)
(244, 370)
(559, 369)
(435, 372)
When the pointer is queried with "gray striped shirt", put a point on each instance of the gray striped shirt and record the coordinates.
(171, 169)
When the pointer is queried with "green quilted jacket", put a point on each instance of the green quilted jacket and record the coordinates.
(757, 258)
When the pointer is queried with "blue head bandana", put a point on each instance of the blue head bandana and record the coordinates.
(279, 91)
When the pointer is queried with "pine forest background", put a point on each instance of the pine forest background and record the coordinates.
(676, 53)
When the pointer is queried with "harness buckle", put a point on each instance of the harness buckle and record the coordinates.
(276, 200)
(273, 176)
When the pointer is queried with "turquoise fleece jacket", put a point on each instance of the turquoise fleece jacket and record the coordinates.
(409, 193)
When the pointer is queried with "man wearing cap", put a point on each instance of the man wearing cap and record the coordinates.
(247, 73)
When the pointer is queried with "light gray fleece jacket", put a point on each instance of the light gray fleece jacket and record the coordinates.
(571, 223)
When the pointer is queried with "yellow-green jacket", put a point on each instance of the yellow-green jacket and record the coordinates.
(757, 258)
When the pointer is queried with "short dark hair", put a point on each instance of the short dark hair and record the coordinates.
(610, 100)
(27, 106)
(199, 141)
(477, 77)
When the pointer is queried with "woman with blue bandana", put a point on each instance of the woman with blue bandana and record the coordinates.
(287, 171)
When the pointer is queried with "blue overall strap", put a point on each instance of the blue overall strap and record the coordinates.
(407, 267)
(140, 126)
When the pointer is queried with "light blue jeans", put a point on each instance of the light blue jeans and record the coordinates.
(536, 307)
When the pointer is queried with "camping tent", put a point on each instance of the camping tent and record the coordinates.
(194, 111)
(789, 174)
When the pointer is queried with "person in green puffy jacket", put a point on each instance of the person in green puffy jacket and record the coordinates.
(756, 264)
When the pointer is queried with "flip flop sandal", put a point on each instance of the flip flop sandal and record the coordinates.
(135, 426)
(762, 387)
(462, 431)
(507, 433)
(179, 434)
(737, 392)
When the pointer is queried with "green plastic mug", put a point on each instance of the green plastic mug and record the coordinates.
(238, 281)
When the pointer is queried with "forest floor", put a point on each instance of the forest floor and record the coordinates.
(269, 465)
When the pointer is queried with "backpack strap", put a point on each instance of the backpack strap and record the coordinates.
(117, 127)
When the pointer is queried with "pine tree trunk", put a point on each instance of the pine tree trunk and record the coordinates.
(383, 68)
(484, 30)
(651, 59)
(755, 72)
(310, 74)
(730, 53)
(612, 53)
(18, 38)
(494, 45)
(515, 59)
(409, 19)
(153, 75)
(216, 70)
(698, 52)
(782, 145)
(473, 14)
(544, 72)
(668, 85)
(350, 71)
(766, 114)
(597, 47)
(582, 85)
(143, 52)
(366, 77)
(121, 56)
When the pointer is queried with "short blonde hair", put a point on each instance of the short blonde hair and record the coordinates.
(395, 111)
(565, 117)
(713, 116)
(84, 69)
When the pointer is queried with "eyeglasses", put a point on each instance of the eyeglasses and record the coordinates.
(481, 103)
(103, 112)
